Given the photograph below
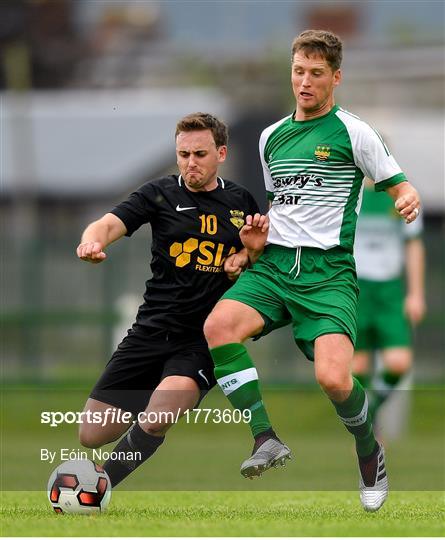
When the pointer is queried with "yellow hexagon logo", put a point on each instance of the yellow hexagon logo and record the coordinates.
(190, 245)
(183, 259)
(175, 249)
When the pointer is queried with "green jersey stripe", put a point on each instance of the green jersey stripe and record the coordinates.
(302, 172)
(393, 181)
(321, 164)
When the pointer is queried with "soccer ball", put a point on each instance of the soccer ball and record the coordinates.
(79, 486)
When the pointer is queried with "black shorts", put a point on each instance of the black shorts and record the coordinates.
(145, 357)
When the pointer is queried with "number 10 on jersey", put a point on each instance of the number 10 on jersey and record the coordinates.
(209, 224)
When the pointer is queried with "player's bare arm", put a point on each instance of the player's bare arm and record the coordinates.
(254, 235)
(415, 305)
(406, 200)
(97, 236)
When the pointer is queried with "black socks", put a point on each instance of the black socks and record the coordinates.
(132, 450)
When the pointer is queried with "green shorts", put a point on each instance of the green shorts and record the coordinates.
(313, 289)
(381, 319)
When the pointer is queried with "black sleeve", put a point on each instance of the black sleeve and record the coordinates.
(138, 209)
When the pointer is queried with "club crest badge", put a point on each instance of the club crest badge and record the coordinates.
(237, 218)
(322, 152)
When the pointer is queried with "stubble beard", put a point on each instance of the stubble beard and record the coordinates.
(317, 107)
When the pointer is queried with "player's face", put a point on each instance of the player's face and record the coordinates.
(198, 159)
(313, 83)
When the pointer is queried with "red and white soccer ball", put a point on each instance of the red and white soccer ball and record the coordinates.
(79, 486)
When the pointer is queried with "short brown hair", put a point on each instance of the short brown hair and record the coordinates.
(200, 121)
(322, 43)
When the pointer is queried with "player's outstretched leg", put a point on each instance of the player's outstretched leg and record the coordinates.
(353, 412)
(238, 379)
(173, 396)
(333, 355)
(132, 450)
(135, 448)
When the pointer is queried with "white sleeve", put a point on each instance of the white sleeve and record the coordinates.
(374, 159)
(371, 155)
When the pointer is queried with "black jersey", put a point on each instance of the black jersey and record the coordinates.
(193, 233)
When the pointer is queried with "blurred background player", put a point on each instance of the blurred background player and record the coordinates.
(390, 260)
(163, 365)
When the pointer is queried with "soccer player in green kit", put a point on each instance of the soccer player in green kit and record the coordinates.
(314, 163)
(390, 303)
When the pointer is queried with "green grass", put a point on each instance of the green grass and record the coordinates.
(324, 457)
(230, 514)
(192, 485)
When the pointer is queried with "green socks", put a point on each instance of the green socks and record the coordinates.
(382, 388)
(364, 379)
(238, 379)
(353, 412)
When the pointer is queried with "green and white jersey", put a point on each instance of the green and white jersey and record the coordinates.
(314, 170)
(379, 248)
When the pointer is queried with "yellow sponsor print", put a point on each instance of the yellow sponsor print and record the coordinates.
(181, 252)
(209, 257)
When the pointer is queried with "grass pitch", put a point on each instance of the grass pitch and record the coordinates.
(230, 513)
(192, 485)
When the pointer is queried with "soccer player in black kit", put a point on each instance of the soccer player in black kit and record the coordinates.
(163, 364)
